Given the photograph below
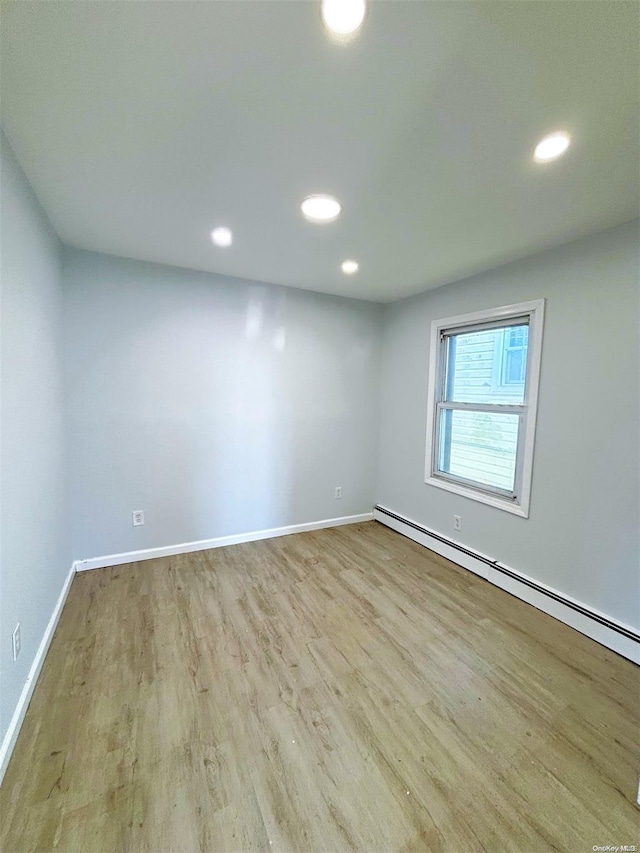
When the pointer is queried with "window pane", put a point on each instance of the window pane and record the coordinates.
(479, 446)
(488, 366)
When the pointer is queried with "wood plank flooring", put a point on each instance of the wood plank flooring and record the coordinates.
(338, 690)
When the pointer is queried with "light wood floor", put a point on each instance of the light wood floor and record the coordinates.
(338, 690)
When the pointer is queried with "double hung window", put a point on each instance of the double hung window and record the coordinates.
(483, 389)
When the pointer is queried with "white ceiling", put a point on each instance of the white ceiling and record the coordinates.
(142, 125)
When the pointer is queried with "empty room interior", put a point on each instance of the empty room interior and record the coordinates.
(320, 426)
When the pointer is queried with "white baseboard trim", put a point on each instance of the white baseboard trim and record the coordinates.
(609, 632)
(17, 719)
(220, 542)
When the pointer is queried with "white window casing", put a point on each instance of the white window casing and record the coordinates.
(531, 313)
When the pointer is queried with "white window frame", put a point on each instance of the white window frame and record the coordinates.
(518, 501)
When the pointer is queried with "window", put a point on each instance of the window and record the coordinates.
(514, 361)
(483, 389)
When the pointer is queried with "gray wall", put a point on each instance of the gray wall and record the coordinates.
(582, 535)
(216, 406)
(35, 555)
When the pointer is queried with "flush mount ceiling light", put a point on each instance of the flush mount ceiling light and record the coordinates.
(320, 208)
(349, 267)
(551, 146)
(343, 16)
(222, 237)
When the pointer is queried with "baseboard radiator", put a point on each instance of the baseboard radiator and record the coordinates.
(617, 636)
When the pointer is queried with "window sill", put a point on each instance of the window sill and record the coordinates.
(482, 497)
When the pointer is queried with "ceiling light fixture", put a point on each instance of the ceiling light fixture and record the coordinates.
(551, 146)
(349, 267)
(320, 208)
(222, 237)
(343, 16)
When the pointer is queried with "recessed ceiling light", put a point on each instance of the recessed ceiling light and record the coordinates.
(222, 236)
(321, 208)
(551, 146)
(343, 16)
(349, 267)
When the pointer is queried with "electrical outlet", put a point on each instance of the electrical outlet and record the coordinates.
(138, 517)
(457, 522)
(338, 493)
(16, 642)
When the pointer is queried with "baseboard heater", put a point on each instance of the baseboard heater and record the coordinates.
(614, 635)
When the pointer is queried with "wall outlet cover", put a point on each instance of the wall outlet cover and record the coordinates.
(138, 517)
